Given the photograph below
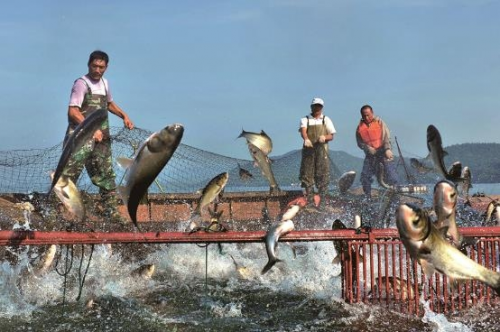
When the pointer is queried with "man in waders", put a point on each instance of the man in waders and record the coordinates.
(90, 93)
(316, 130)
(373, 137)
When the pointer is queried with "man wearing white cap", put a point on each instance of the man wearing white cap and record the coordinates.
(316, 130)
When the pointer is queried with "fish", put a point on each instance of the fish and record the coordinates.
(211, 191)
(261, 140)
(419, 166)
(150, 159)
(243, 271)
(445, 203)
(264, 164)
(455, 171)
(492, 215)
(291, 212)
(244, 174)
(381, 177)
(46, 260)
(345, 181)
(393, 287)
(82, 135)
(145, 271)
(70, 196)
(427, 246)
(435, 147)
(357, 221)
(341, 246)
(276, 230)
(437, 154)
(466, 184)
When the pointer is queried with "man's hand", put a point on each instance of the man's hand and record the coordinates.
(322, 139)
(370, 151)
(129, 124)
(308, 143)
(389, 155)
(98, 136)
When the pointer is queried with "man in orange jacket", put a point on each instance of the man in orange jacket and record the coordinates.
(373, 137)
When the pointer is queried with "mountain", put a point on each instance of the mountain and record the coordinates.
(483, 159)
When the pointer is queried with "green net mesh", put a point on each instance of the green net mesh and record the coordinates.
(189, 170)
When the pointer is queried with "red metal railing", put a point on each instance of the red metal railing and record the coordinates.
(376, 269)
(380, 271)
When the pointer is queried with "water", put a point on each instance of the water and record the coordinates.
(202, 289)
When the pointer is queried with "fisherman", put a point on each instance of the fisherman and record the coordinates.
(316, 129)
(90, 93)
(373, 137)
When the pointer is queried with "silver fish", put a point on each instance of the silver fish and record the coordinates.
(437, 153)
(381, 177)
(244, 174)
(261, 140)
(69, 195)
(342, 247)
(82, 135)
(276, 230)
(345, 181)
(445, 203)
(492, 215)
(149, 161)
(145, 271)
(425, 244)
(435, 147)
(264, 164)
(455, 171)
(419, 166)
(212, 190)
(46, 260)
(467, 182)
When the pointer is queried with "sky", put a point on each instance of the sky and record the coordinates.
(219, 67)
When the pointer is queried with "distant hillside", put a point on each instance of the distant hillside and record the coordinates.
(482, 158)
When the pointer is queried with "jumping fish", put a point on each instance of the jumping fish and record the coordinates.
(264, 164)
(81, 136)
(345, 181)
(149, 161)
(261, 140)
(425, 244)
(69, 195)
(212, 190)
(276, 230)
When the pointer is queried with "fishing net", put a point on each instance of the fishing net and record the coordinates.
(189, 169)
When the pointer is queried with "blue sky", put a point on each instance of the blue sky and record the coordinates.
(220, 66)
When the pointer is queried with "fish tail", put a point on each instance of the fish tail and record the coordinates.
(269, 265)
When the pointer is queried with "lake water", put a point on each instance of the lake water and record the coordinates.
(203, 289)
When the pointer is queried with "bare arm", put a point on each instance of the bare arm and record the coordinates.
(74, 115)
(116, 110)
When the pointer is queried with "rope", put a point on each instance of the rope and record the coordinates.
(81, 280)
(67, 268)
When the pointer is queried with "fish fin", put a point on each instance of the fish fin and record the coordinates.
(123, 194)
(336, 260)
(269, 265)
(124, 162)
(427, 267)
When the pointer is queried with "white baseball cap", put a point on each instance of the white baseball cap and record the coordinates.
(317, 101)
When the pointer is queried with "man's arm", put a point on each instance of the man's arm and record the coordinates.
(116, 110)
(74, 115)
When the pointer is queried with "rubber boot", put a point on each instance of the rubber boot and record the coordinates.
(311, 206)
